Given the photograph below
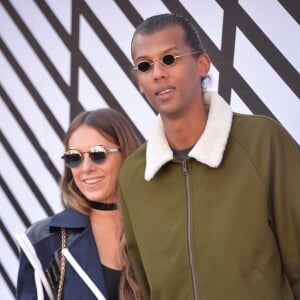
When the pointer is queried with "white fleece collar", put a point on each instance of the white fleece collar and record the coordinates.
(210, 147)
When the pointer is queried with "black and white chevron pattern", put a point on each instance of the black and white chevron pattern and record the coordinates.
(59, 57)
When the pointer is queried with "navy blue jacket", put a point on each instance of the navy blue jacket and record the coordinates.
(46, 237)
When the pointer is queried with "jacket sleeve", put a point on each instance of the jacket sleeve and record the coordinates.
(133, 251)
(284, 191)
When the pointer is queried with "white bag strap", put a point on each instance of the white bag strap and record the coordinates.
(29, 251)
(39, 287)
(82, 274)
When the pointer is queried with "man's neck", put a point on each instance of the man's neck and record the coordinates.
(184, 132)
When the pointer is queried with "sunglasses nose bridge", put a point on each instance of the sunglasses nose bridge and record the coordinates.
(160, 61)
(86, 159)
(158, 68)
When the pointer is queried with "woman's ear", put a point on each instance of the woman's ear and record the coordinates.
(204, 64)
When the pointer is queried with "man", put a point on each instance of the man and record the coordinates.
(211, 202)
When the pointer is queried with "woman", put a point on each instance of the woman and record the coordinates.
(90, 227)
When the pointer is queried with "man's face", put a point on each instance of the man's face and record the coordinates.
(170, 89)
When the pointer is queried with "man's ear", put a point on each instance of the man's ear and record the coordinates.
(204, 64)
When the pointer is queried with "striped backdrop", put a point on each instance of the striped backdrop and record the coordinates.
(59, 57)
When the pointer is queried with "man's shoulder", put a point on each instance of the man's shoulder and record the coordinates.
(254, 130)
(256, 125)
(137, 156)
(254, 119)
(136, 161)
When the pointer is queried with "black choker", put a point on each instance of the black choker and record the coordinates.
(102, 206)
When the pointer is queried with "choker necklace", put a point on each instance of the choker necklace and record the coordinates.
(102, 206)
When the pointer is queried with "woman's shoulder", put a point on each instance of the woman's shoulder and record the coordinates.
(47, 227)
(39, 230)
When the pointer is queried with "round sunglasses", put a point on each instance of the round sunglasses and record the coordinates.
(167, 60)
(97, 154)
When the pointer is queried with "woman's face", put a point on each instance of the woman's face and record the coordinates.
(97, 182)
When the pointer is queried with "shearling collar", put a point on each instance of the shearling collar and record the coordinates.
(210, 147)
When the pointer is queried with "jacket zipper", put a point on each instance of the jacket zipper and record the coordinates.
(189, 230)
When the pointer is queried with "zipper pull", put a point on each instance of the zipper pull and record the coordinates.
(184, 166)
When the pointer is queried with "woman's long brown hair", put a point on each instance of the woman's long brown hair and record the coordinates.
(116, 128)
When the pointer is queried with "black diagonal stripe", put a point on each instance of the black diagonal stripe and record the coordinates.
(55, 23)
(76, 106)
(32, 90)
(292, 7)
(38, 50)
(7, 280)
(14, 202)
(30, 135)
(212, 50)
(227, 48)
(109, 42)
(72, 43)
(106, 38)
(251, 99)
(104, 91)
(249, 96)
(26, 176)
(270, 53)
(9, 239)
(237, 82)
(129, 10)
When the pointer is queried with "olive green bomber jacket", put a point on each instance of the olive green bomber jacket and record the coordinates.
(223, 225)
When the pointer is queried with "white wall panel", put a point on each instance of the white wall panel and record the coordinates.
(88, 95)
(30, 112)
(278, 25)
(238, 105)
(39, 76)
(122, 30)
(9, 261)
(9, 216)
(115, 79)
(62, 10)
(268, 85)
(31, 162)
(47, 38)
(209, 15)
(149, 8)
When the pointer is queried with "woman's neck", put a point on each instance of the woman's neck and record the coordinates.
(107, 230)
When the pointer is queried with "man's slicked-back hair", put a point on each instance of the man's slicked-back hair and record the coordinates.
(159, 22)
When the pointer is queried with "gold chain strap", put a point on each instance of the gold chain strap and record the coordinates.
(62, 264)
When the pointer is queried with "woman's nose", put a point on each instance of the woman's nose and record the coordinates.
(87, 163)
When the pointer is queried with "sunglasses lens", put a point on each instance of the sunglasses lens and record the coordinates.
(97, 154)
(72, 160)
(168, 59)
(144, 66)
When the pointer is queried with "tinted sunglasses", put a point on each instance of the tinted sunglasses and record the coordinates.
(167, 60)
(97, 154)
